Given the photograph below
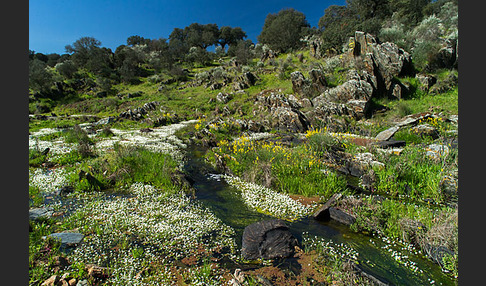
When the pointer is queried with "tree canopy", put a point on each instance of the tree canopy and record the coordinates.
(284, 30)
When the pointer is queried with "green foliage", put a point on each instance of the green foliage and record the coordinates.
(129, 165)
(296, 170)
(412, 175)
(66, 69)
(87, 53)
(69, 158)
(106, 132)
(36, 197)
(451, 263)
(230, 36)
(42, 252)
(284, 30)
(77, 135)
(40, 79)
(137, 40)
(242, 50)
(337, 25)
(36, 158)
(409, 12)
(198, 55)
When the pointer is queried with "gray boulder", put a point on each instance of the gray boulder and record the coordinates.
(315, 44)
(39, 213)
(106, 120)
(426, 130)
(268, 239)
(425, 81)
(68, 239)
(245, 80)
(281, 111)
(299, 82)
(224, 97)
(308, 87)
(436, 151)
(354, 93)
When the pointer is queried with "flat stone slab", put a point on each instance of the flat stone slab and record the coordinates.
(387, 134)
(68, 239)
(323, 211)
(38, 213)
(413, 118)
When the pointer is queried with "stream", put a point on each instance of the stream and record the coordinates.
(390, 262)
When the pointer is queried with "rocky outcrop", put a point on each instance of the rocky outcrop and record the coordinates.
(268, 239)
(281, 111)
(244, 81)
(382, 60)
(224, 97)
(426, 130)
(311, 87)
(315, 44)
(445, 85)
(425, 81)
(353, 96)
(139, 112)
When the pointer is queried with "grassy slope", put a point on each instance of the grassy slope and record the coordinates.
(194, 102)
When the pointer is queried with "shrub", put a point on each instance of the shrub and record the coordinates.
(395, 33)
(77, 135)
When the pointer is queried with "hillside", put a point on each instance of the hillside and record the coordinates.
(160, 174)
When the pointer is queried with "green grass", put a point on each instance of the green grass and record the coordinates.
(131, 164)
(413, 175)
(295, 170)
(42, 252)
(447, 103)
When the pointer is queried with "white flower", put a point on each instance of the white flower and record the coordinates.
(268, 201)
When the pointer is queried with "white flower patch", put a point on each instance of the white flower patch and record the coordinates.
(268, 201)
(253, 136)
(169, 226)
(56, 147)
(334, 251)
(159, 140)
(341, 135)
(44, 131)
(48, 180)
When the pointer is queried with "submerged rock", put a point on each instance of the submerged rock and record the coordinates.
(268, 239)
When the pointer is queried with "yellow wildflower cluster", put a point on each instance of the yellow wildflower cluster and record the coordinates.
(313, 131)
(217, 126)
(437, 122)
(199, 124)
(244, 145)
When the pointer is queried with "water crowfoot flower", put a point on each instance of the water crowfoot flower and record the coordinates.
(167, 226)
(268, 201)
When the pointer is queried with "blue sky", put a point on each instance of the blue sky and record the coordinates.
(53, 24)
